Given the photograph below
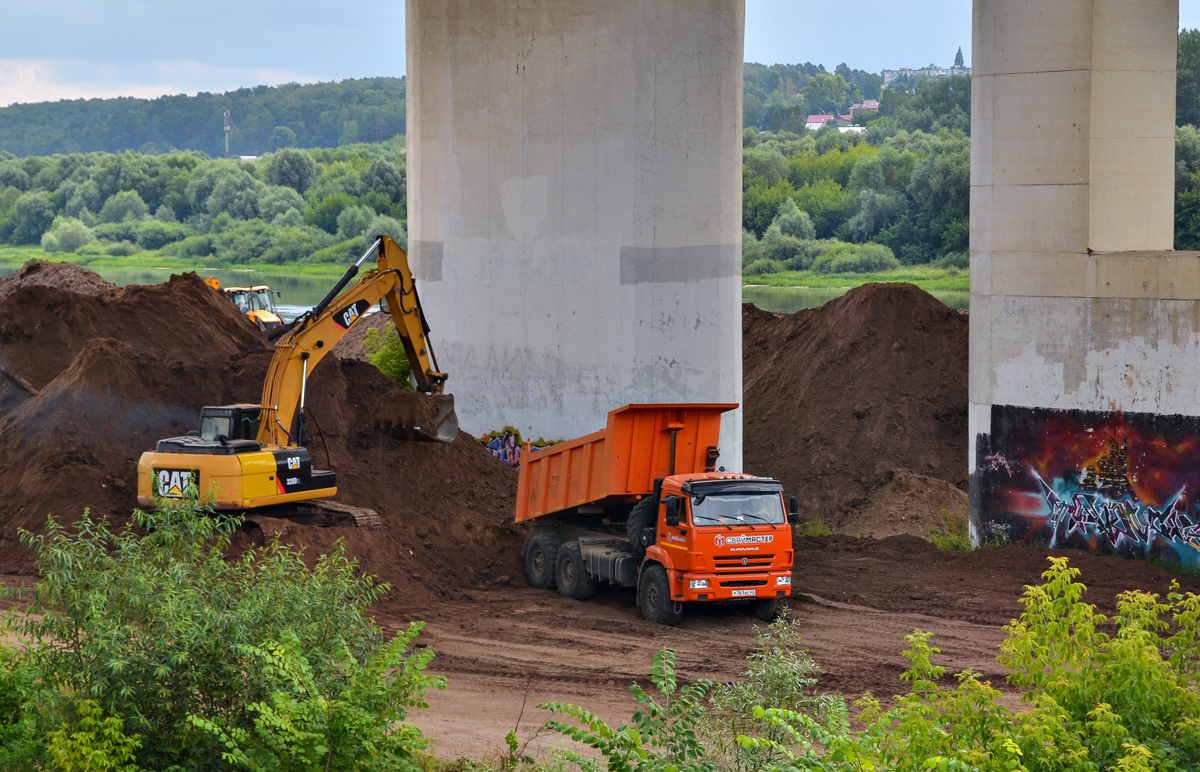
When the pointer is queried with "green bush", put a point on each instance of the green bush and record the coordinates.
(953, 260)
(155, 234)
(66, 234)
(1094, 701)
(386, 351)
(160, 627)
(126, 205)
(126, 230)
(856, 258)
(122, 249)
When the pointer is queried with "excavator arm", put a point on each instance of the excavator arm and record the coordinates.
(313, 335)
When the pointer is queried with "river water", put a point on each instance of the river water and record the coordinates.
(300, 293)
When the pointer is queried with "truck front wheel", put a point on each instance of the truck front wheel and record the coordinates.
(541, 557)
(765, 609)
(654, 595)
(572, 577)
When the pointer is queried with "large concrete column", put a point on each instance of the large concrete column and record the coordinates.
(575, 205)
(1085, 353)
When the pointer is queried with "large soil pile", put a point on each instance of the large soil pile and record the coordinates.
(93, 380)
(63, 275)
(838, 398)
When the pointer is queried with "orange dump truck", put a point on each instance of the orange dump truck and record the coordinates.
(640, 504)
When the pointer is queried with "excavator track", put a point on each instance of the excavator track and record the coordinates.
(274, 521)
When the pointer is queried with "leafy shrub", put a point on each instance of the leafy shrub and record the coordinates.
(293, 168)
(126, 230)
(953, 536)
(856, 258)
(1094, 701)
(385, 177)
(353, 222)
(277, 199)
(97, 744)
(67, 234)
(156, 624)
(33, 214)
(20, 694)
(763, 265)
(192, 246)
(323, 212)
(386, 351)
(794, 222)
(662, 737)
(122, 249)
(155, 234)
(953, 260)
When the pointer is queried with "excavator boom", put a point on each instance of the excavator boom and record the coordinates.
(315, 333)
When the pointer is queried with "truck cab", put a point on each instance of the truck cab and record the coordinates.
(723, 537)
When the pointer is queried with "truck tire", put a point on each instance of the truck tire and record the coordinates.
(541, 559)
(571, 574)
(642, 516)
(765, 609)
(654, 596)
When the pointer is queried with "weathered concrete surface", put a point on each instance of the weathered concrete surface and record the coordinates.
(1076, 301)
(575, 216)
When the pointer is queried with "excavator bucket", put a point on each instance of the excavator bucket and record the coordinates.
(444, 427)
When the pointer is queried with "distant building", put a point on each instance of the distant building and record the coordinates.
(818, 121)
(923, 72)
(865, 106)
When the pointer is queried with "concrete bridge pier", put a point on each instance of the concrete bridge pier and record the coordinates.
(575, 205)
(1085, 327)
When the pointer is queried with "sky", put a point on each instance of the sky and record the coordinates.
(67, 49)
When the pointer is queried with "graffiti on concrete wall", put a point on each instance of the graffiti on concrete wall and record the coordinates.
(1103, 482)
(507, 445)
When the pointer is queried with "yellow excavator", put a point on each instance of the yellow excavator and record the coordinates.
(250, 457)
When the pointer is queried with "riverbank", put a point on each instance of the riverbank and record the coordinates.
(926, 277)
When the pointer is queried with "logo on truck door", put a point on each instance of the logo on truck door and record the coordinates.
(721, 539)
(173, 483)
(351, 314)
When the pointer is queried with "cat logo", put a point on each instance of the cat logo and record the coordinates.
(350, 314)
(173, 483)
(293, 462)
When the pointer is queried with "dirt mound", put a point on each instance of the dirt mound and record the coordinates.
(68, 276)
(909, 503)
(839, 397)
(106, 375)
(351, 346)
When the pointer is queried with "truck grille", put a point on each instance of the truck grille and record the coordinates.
(745, 583)
(734, 562)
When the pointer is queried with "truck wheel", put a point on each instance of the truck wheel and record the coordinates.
(641, 517)
(541, 557)
(654, 594)
(572, 577)
(765, 609)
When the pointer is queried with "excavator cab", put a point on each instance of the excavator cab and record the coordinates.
(234, 422)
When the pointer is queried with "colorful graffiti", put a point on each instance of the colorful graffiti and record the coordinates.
(1103, 482)
(507, 445)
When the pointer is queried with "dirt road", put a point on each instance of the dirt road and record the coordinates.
(857, 599)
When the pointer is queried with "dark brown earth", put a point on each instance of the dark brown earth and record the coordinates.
(857, 406)
(840, 397)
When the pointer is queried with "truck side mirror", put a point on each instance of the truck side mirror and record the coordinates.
(672, 511)
(793, 509)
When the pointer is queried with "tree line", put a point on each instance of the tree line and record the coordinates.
(294, 205)
(262, 119)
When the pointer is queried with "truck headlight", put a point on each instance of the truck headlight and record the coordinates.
(698, 584)
(783, 580)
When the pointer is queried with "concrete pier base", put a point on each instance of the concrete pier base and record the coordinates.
(575, 206)
(1085, 327)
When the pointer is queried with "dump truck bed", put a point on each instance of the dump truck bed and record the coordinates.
(621, 462)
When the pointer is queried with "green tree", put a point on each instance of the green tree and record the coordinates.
(282, 137)
(385, 177)
(1187, 79)
(385, 350)
(33, 214)
(293, 168)
(126, 205)
(67, 234)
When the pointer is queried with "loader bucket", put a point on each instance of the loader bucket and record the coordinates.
(444, 427)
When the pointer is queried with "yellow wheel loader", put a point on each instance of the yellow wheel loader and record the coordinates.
(249, 457)
(255, 302)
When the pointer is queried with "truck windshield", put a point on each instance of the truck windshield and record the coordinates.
(738, 509)
(211, 426)
(260, 300)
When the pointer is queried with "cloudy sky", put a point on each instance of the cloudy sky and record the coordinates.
(63, 49)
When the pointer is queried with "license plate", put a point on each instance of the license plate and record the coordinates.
(743, 593)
